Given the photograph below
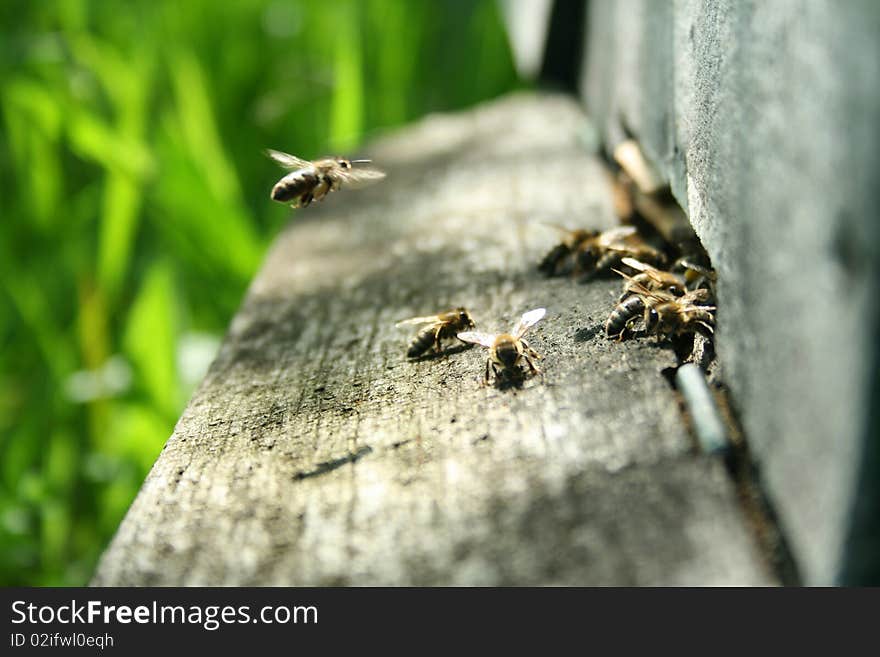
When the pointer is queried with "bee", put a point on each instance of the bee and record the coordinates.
(625, 312)
(606, 251)
(506, 350)
(695, 275)
(309, 181)
(443, 326)
(650, 278)
(668, 316)
(560, 260)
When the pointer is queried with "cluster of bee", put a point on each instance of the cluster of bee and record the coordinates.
(507, 351)
(671, 303)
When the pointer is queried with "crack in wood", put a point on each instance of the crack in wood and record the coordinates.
(333, 464)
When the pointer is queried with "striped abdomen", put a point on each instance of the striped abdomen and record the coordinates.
(626, 311)
(294, 185)
(423, 341)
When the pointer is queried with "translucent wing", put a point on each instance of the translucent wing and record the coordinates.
(694, 306)
(642, 291)
(427, 319)
(360, 177)
(638, 265)
(662, 278)
(609, 237)
(286, 160)
(528, 320)
(478, 337)
(629, 278)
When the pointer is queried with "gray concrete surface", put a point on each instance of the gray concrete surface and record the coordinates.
(765, 118)
(315, 453)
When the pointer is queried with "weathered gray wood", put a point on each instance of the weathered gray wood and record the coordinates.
(314, 453)
(764, 117)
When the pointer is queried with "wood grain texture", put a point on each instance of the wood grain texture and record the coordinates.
(314, 453)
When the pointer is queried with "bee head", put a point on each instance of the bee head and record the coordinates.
(345, 164)
(464, 318)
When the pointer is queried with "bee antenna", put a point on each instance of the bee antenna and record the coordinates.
(360, 161)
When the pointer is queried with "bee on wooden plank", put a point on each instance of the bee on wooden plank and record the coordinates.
(598, 256)
(442, 326)
(588, 253)
(695, 274)
(559, 261)
(309, 181)
(507, 350)
(668, 317)
(630, 304)
(627, 311)
(650, 278)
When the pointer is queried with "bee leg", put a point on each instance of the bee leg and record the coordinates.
(437, 345)
(528, 348)
(488, 365)
(304, 200)
(534, 368)
(324, 187)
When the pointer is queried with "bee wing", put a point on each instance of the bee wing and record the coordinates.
(638, 265)
(657, 275)
(609, 237)
(528, 320)
(286, 160)
(361, 177)
(635, 283)
(642, 291)
(478, 337)
(427, 319)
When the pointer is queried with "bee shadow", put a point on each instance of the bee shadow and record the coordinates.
(435, 355)
(510, 380)
(587, 333)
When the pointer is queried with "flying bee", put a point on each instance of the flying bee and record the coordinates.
(443, 326)
(600, 254)
(560, 259)
(506, 350)
(309, 181)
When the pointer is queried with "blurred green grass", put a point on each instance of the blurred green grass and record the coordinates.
(135, 212)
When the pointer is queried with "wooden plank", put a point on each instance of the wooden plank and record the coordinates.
(315, 453)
